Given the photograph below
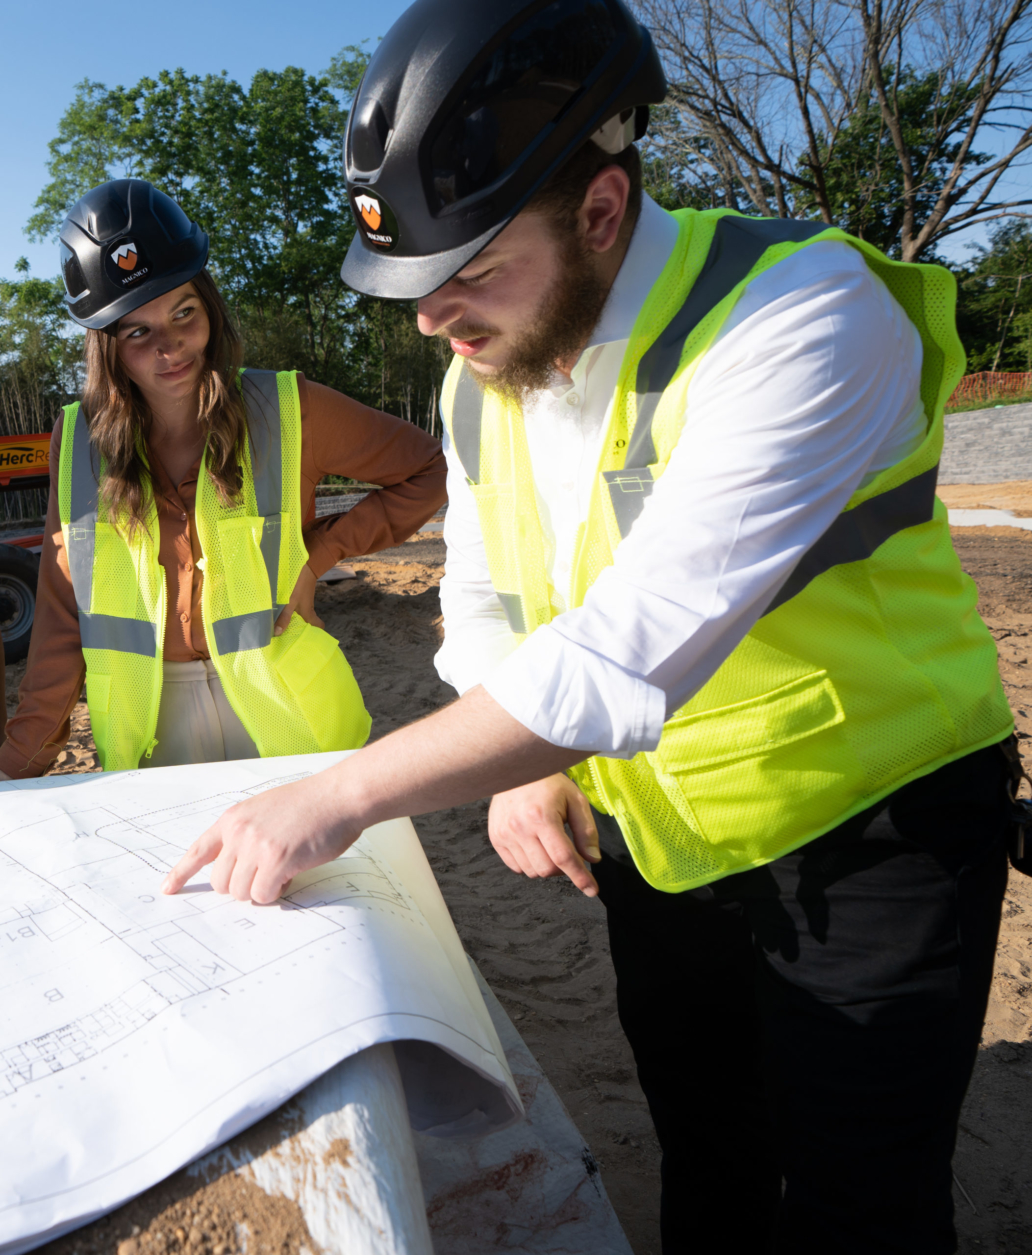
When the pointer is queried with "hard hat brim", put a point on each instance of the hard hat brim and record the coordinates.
(400, 278)
(158, 286)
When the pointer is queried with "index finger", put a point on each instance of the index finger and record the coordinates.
(563, 853)
(204, 850)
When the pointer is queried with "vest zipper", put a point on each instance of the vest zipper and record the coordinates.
(150, 749)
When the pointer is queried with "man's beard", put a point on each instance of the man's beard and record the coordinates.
(564, 320)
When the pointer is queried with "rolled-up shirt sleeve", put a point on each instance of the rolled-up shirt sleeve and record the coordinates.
(799, 400)
(340, 436)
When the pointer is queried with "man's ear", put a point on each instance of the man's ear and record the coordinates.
(604, 208)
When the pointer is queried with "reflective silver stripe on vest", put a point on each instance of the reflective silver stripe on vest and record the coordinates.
(96, 631)
(737, 245)
(127, 636)
(512, 604)
(856, 534)
(627, 491)
(467, 420)
(82, 529)
(261, 396)
(244, 631)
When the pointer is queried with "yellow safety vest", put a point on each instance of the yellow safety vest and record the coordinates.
(295, 693)
(869, 668)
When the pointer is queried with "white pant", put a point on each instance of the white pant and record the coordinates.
(196, 723)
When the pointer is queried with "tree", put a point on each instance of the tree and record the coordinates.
(870, 114)
(996, 305)
(39, 361)
(664, 174)
(259, 168)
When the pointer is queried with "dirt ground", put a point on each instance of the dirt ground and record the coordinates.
(1014, 495)
(543, 947)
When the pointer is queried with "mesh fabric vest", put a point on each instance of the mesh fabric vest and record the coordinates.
(869, 668)
(294, 693)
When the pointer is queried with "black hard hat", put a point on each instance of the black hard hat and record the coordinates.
(464, 113)
(123, 244)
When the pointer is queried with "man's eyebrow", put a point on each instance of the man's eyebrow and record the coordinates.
(123, 323)
(478, 267)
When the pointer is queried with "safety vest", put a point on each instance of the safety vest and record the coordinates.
(294, 693)
(869, 668)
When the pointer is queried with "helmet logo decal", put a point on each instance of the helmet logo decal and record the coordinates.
(369, 208)
(124, 256)
(127, 263)
(378, 225)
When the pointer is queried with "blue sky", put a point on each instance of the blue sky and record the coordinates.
(46, 50)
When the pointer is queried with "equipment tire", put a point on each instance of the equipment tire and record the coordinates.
(18, 571)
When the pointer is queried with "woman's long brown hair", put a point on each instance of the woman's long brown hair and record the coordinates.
(119, 417)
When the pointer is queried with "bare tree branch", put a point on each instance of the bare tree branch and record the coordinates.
(883, 116)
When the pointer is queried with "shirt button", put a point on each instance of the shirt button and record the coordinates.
(572, 398)
(185, 618)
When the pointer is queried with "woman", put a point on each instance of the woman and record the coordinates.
(176, 574)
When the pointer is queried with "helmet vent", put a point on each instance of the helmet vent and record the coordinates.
(369, 136)
(74, 279)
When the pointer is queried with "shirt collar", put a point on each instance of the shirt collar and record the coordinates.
(164, 484)
(653, 240)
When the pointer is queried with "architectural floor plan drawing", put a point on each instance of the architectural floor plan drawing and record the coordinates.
(138, 1031)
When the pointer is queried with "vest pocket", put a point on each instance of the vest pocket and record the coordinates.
(116, 575)
(321, 681)
(247, 581)
(762, 773)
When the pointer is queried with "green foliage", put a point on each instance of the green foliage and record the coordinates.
(672, 181)
(39, 361)
(346, 69)
(995, 320)
(259, 168)
(861, 171)
(88, 142)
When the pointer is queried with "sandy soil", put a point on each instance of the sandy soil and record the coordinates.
(543, 947)
(1015, 495)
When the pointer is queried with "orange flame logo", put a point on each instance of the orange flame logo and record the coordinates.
(369, 208)
(125, 256)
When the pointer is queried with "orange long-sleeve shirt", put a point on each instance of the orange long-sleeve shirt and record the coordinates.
(338, 437)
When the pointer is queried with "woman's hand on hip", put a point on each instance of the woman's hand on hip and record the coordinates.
(526, 827)
(302, 600)
(254, 845)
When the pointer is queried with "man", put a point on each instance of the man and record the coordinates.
(703, 609)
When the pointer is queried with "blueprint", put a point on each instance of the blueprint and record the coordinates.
(138, 1031)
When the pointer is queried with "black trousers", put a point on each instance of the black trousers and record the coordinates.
(805, 1032)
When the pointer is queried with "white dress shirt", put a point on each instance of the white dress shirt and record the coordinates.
(811, 388)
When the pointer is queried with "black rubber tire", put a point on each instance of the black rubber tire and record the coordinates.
(18, 570)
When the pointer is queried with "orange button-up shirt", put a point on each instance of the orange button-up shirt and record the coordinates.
(338, 437)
